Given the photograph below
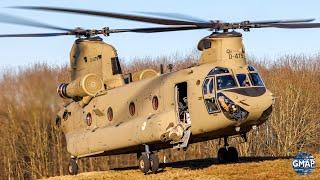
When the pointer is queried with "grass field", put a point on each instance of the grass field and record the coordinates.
(247, 168)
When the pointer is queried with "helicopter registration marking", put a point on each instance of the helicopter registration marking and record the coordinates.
(235, 55)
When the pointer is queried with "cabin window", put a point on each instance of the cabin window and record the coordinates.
(132, 108)
(243, 80)
(255, 79)
(225, 82)
(116, 68)
(155, 103)
(89, 119)
(110, 114)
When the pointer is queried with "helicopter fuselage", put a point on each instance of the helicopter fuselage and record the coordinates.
(125, 118)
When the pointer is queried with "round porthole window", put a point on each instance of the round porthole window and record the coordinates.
(132, 108)
(89, 119)
(198, 82)
(110, 114)
(155, 102)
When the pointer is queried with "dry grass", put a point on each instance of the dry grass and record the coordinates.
(246, 169)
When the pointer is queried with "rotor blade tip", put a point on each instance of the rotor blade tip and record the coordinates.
(22, 7)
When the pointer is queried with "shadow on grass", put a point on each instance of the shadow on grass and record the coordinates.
(203, 163)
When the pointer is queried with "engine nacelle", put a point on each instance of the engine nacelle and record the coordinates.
(89, 85)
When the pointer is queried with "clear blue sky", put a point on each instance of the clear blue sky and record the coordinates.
(259, 42)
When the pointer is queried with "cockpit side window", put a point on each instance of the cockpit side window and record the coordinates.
(255, 79)
(226, 81)
(205, 87)
(251, 68)
(211, 86)
(243, 80)
(210, 95)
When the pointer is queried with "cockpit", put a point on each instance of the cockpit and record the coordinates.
(220, 79)
(224, 79)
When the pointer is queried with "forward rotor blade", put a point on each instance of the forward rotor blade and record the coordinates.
(34, 35)
(4, 18)
(157, 29)
(296, 25)
(131, 17)
(176, 16)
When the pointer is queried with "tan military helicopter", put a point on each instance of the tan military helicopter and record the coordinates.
(142, 112)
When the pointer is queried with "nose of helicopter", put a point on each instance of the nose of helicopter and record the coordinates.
(249, 103)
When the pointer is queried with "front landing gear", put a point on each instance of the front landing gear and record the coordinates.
(144, 163)
(148, 161)
(227, 154)
(73, 166)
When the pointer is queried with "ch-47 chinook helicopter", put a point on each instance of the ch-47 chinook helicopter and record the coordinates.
(143, 112)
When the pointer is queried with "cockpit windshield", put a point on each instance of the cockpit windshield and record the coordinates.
(225, 82)
(243, 80)
(255, 79)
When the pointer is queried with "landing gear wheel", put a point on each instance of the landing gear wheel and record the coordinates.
(73, 167)
(222, 155)
(144, 163)
(154, 163)
(232, 154)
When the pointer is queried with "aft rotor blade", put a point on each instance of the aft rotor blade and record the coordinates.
(9, 19)
(296, 25)
(283, 21)
(34, 35)
(157, 29)
(175, 16)
(131, 17)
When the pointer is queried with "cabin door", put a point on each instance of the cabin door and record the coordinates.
(182, 106)
(183, 114)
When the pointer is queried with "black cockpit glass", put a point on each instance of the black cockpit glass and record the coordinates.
(251, 68)
(218, 70)
(255, 79)
(243, 80)
(225, 82)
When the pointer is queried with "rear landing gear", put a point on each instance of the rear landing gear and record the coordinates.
(148, 161)
(227, 154)
(73, 166)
